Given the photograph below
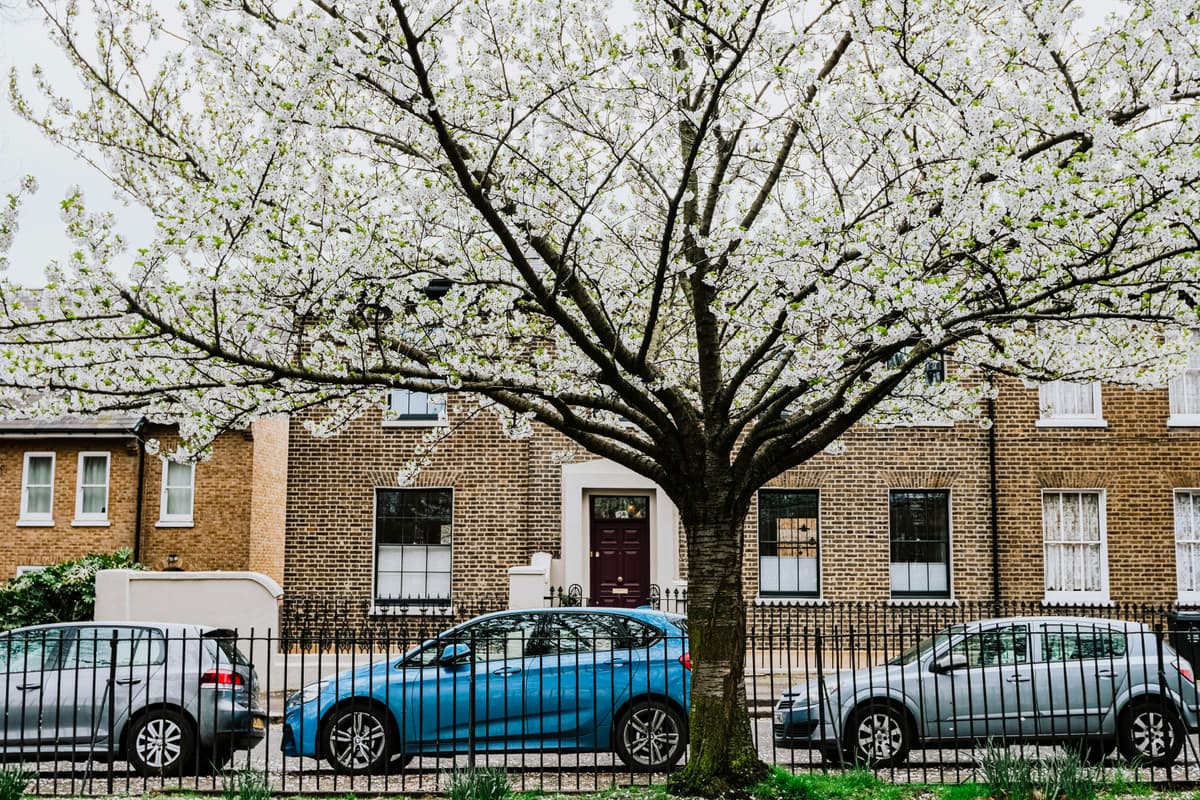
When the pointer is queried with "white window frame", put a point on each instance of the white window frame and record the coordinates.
(785, 594)
(1049, 418)
(28, 518)
(1180, 415)
(1186, 596)
(394, 419)
(165, 519)
(1099, 596)
(93, 519)
(934, 596)
(415, 605)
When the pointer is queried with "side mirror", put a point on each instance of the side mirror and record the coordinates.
(948, 663)
(453, 654)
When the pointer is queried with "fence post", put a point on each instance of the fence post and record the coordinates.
(112, 711)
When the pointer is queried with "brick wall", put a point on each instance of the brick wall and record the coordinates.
(507, 501)
(44, 545)
(331, 491)
(219, 537)
(268, 502)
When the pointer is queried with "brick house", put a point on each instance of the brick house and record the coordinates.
(1074, 494)
(77, 485)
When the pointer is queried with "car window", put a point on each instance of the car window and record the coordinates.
(495, 639)
(577, 632)
(30, 651)
(1078, 642)
(995, 647)
(95, 646)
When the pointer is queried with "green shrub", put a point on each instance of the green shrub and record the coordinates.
(63, 592)
(1007, 773)
(483, 783)
(1064, 775)
(248, 784)
(13, 781)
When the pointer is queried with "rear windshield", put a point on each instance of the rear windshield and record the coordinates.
(228, 646)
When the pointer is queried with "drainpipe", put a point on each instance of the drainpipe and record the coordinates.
(137, 514)
(995, 501)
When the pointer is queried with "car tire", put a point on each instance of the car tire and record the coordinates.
(358, 739)
(877, 735)
(650, 736)
(161, 742)
(1151, 734)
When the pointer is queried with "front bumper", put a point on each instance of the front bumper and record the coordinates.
(797, 722)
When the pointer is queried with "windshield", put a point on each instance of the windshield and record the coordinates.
(926, 645)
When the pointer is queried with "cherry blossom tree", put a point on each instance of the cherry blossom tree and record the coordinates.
(701, 238)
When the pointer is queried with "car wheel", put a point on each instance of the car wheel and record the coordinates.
(877, 735)
(1151, 734)
(358, 739)
(650, 736)
(161, 742)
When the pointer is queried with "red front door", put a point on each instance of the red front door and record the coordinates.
(620, 550)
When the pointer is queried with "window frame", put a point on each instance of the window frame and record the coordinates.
(1048, 419)
(415, 603)
(1189, 596)
(909, 594)
(392, 418)
(1176, 387)
(26, 518)
(1060, 597)
(165, 518)
(777, 594)
(83, 518)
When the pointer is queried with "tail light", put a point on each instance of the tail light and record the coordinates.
(686, 660)
(222, 677)
(1187, 674)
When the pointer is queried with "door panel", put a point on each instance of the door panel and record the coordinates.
(1076, 679)
(989, 693)
(29, 676)
(620, 551)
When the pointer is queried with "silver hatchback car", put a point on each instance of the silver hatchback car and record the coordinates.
(1091, 684)
(170, 699)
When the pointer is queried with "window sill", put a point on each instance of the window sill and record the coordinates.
(411, 611)
(1183, 421)
(415, 423)
(35, 523)
(175, 523)
(91, 523)
(1066, 422)
(798, 600)
(1083, 599)
(948, 602)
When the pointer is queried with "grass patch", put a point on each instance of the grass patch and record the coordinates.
(852, 785)
(13, 782)
(247, 784)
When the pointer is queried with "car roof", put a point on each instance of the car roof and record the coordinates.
(165, 627)
(644, 614)
(1048, 619)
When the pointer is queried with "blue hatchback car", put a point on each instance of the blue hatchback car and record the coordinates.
(542, 679)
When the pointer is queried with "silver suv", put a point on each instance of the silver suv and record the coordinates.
(1088, 683)
(170, 699)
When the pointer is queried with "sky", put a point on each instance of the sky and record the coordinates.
(23, 150)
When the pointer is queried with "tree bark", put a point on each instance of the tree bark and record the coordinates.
(723, 759)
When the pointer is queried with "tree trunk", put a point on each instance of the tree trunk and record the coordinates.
(723, 759)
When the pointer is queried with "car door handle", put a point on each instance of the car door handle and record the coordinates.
(616, 662)
(128, 681)
(506, 671)
(1017, 678)
(29, 687)
(1107, 674)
